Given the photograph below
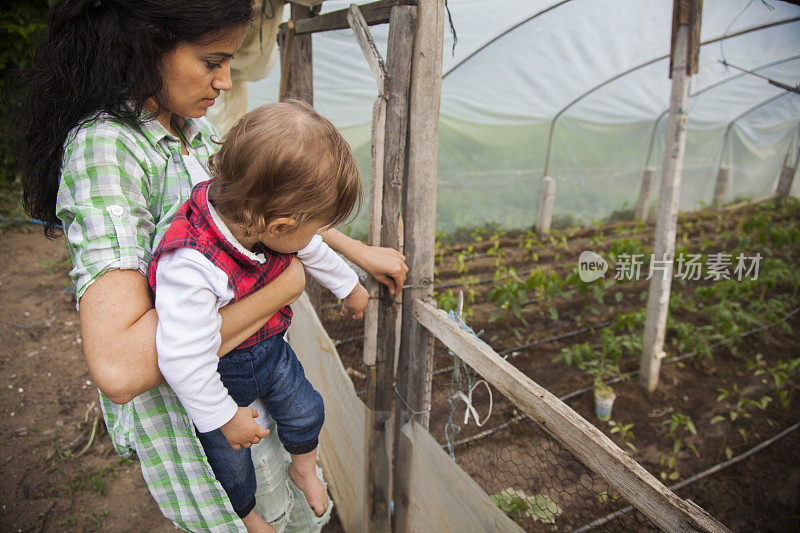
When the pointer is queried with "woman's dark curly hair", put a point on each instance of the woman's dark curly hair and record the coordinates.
(103, 56)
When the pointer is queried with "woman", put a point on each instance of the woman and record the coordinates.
(113, 129)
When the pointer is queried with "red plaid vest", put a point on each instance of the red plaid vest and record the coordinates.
(194, 228)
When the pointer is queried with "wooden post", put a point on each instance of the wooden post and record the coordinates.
(785, 181)
(642, 209)
(380, 376)
(547, 200)
(686, 41)
(786, 178)
(721, 187)
(415, 359)
(298, 82)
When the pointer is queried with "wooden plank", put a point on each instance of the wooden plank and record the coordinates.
(374, 234)
(415, 357)
(285, 44)
(364, 38)
(586, 442)
(374, 13)
(415, 364)
(784, 186)
(667, 222)
(300, 77)
(642, 209)
(380, 386)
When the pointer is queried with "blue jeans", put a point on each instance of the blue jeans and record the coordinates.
(269, 370)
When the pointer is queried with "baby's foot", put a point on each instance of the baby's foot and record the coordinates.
(312, 487)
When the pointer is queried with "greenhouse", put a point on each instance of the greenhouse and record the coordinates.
(578, 90)
(573, 288)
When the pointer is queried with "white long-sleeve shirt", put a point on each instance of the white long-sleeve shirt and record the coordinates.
(190, 290)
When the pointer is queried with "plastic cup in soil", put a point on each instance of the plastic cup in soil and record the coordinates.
(603, 403)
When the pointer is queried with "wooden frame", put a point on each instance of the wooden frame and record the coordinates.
(374, 13)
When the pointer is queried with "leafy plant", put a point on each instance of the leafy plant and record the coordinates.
(781, 378)
(739, 406)
(625, 433)
(510, 295)
(519, 504)
(461, 259)
(680, 427)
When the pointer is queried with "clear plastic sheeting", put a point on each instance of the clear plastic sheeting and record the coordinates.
(601, 69)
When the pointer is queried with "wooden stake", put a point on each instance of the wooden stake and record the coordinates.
(380, 376)
(642, 209)
(721, 187)
(671, 174)
(299, 81)
(364, 37)
(415, 359)
(547, 200)
(786, 178)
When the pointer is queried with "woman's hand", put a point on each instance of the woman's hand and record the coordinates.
(387, 265)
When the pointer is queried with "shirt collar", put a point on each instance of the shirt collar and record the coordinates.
(156, 132)
(226, 233)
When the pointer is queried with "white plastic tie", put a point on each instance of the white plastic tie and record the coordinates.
(470, 409)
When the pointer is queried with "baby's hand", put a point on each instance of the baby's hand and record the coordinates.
(242, 430)
(356, 302)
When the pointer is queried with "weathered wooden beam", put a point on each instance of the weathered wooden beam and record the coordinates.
(380, 386)
(784, 186)
(586, 442)
(374, 13)
(364, 38)
(685, 19)
(415, 358)
(297, 70)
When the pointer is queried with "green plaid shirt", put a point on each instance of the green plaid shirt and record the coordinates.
(120, 188)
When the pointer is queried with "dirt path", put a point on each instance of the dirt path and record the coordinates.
(48, 408)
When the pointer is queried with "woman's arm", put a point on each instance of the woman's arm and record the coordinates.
(118, 323)
(387, 265)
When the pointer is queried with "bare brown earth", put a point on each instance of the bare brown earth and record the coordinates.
(48, 405)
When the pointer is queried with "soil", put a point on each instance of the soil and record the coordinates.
(48, 405)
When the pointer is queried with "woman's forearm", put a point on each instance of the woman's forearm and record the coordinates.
(118, 324)
(243, 318)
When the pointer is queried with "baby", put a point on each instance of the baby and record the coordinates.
(282, 174)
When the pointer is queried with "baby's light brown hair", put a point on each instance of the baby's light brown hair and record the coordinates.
(284, 160)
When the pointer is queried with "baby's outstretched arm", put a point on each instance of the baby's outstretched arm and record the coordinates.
(333, 273)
